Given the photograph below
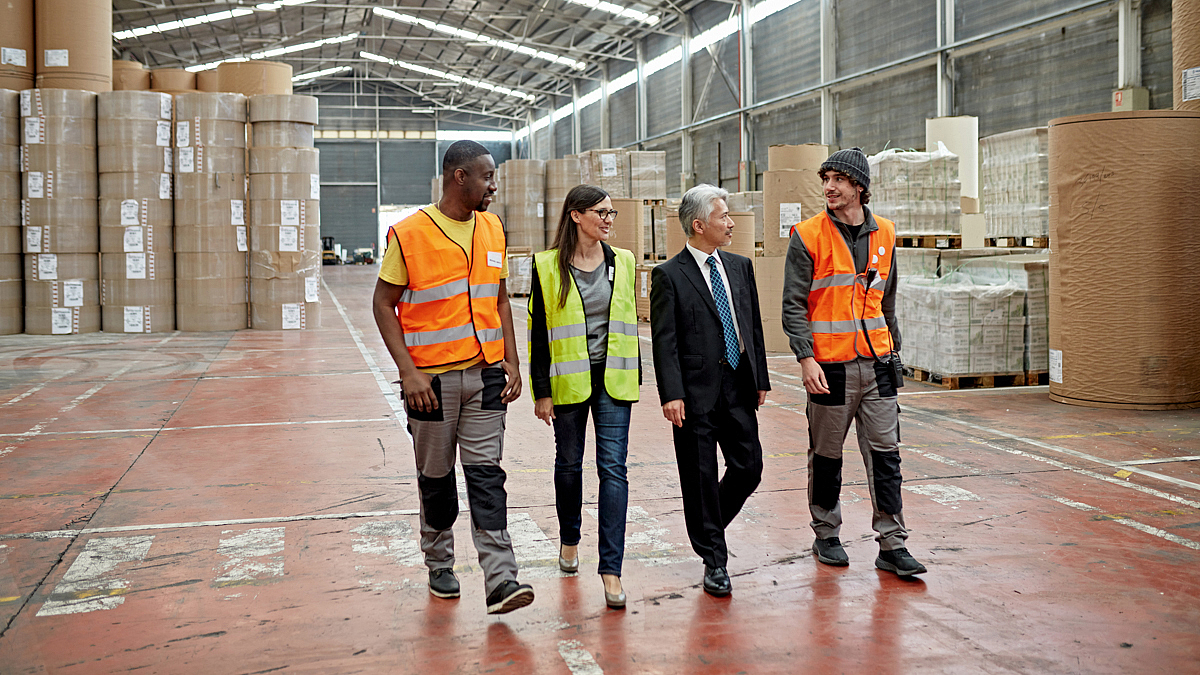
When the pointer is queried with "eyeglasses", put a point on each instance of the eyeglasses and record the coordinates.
(604, 214)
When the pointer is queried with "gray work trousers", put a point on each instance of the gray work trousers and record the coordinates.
(471, 418)
(859, 390)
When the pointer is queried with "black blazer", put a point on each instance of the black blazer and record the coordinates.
(689, 342)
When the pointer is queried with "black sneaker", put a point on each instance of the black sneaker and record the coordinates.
(899, 561)
(509, 596)
(443, 583)
(830, 552)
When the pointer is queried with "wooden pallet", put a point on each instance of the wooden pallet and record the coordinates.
(930, 241)
(977, 381)
(1018, 242)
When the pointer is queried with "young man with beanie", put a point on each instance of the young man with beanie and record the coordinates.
(839, 299)
(443, 312)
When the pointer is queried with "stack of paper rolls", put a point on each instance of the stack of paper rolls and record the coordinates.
(59, 209)
(12, 290)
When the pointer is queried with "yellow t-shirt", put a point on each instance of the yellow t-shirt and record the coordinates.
(393, 270)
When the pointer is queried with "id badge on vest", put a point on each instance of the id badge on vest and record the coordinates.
(495, 258)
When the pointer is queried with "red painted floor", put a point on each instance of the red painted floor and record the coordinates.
(244, 503)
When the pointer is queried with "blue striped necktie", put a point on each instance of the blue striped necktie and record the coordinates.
(732, 353)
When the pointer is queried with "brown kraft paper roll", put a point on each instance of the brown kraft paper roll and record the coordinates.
(157, 237)
(211, 106)
(62, 320)
(133, 159)
(138, 319)
(285, 160)
(74, 53)
(133, 105)
(130, 76)
(137, 291)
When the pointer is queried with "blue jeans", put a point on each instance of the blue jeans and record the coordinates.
(611, 421)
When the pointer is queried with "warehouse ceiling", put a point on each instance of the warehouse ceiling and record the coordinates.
(461, 58)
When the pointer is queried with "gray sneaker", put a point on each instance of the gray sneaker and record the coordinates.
(830, 552)
(899, 561)
(443, 583)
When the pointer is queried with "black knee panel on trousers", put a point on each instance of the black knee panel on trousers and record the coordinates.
(488, 500)
(439, 497)
(826, 482)
(886, 470)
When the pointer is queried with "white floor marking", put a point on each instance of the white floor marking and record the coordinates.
(37, 428)
(579, 661)
(1071, 503)
(1129, 522)
(91, 583)
(1162, 460)
(943, 494)
(392, 539)
(1058, 449)
(651, 536)
(20, 397)
(70, 534)
(529, 541)
(91, 432)
(253, 555)
(938, 458)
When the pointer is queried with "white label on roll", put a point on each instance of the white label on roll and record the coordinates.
(60, 320)
(57, 58)
(164, 110)
(187, 160)
(789, 215)
(34, 184)
(291, 316)
(33, 239)
(312, 286)
(183, 133)
(645, 285)
(135, 265)
(129, 212)
(1056, 366)
(47, 266)
(242, 241)
(12, 57)
(133, 320)
(289, 212)
(1191, 83)
(168, 163)
(73, 293)
(26, 103)
(608, 165)
(134, 239)
(162, 134)
(541, 210)
(237, 212)
(314, 186)
(289, 238)
(33, 130)
(164, 186)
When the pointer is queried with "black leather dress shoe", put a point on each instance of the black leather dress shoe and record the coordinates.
(716, 582)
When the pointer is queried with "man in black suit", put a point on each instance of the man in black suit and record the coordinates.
(711, 368)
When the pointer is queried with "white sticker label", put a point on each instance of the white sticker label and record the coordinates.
(73, 293)
(183, 133)
(33, 239)
(164, 109)
(162, 135)
(164, 186)
(289, 238)
(12, 57)
(57, 58)
(187, 160)
(1190, 79)
(612, 273)
(33, 130)
(314, 186)
(168, 160)
(541, 210)
(289, 212)
(494, 258)
(24, 212)
(133, 320)
(237, 212)
(242, 241)
(1056, 366)
(34, 184)
(47, 266)
(291, 316)
(134, 239)
(645, 284)
(608, 165)
(312, 287)
(26, 103)
(60, 320)
(135, 265)
(129, 212)
(789, 215)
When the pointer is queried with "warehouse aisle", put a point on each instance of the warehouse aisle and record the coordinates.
(245, 503)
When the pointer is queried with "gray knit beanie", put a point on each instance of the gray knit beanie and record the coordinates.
(851, 162)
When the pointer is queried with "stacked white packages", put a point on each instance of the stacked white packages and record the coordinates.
(919, 191)
(1015, 182)
(956, 326)
(1030, 272)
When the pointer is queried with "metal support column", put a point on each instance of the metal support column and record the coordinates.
(1129, 44)
(551, 132)
(576, 147)
(605, 117)
(828, 72)
(746, 171)
(945, 78)
(687, 160)
(642, 125)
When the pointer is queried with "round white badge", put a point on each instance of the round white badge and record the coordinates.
(881, 250)
(874, 259)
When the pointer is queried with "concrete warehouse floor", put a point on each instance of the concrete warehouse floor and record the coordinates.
(244, 503)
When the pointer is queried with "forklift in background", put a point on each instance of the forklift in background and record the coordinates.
(329, 254)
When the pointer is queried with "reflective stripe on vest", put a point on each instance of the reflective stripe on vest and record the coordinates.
(566, 326)
(837, 294)
(449, 309)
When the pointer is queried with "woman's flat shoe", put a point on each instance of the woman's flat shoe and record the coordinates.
(568, 565)
(615, 600)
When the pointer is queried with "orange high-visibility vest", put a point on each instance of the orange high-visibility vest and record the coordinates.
(839, 298)
(449, 310)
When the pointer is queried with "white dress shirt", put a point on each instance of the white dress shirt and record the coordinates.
(702, 260)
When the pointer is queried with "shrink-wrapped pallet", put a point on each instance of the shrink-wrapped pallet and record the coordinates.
(918, 191)
(1015, 183)
(648, 174)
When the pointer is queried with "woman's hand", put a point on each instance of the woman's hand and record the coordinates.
(544, 409)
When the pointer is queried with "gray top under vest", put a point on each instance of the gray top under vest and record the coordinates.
(596, 292)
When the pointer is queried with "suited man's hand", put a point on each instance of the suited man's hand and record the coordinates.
(673, 411)
(814, 376)
(762, 397)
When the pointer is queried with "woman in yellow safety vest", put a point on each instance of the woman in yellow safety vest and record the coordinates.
(584, 356)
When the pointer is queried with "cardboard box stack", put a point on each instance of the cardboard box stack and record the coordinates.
(561, 176)
(659, 231)
(749, 202)
(16, 46)
(497, 206)
(62, 234)
(211, 237)
(629, 227)
(525, 203)
(520, 274)
(1016, 183)
(642, 281)
(12, 289)
(648, 174)
(137, 264)
(435, 189)
(285, 216)
(607, 169)
(74, 44)
(919, 191)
